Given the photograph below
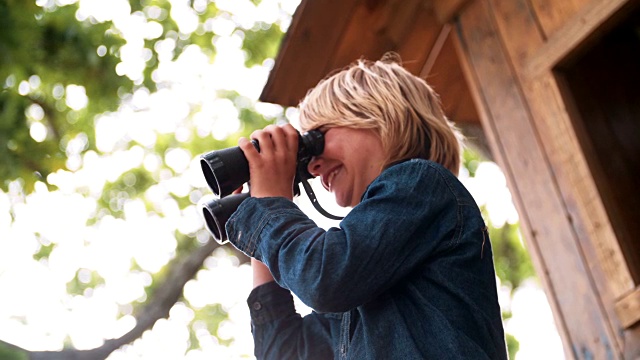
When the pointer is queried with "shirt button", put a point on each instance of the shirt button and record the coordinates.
(257, 305)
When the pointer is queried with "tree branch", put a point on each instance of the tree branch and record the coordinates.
(181, 271)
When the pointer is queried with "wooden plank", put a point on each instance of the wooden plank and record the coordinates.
(558, 123)
(628, 309)
(306, 49)
(436, 50)
(553, 14)
(585, 206)
(502, 158)
(447, 79)
(632, 343)
(329, 35)
(475, 77)
(550, 235)
(516, 22)
(410, 28)
(553, 119)
(417, 43)
(387, 26)
(595, 235)
(518, 31)
(447, 10)
(576, 30)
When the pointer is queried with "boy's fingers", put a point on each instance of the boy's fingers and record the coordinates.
(264, 141)
(250, 152)
(291, 137)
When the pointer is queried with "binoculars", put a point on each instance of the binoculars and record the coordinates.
(227, 169)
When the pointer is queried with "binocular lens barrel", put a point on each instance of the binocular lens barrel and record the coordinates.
(216, 212)
(225, 170)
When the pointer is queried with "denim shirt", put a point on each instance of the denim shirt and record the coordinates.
(408, 274)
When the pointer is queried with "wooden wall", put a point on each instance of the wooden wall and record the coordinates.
(525, 62)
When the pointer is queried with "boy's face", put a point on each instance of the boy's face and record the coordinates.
(351, 160)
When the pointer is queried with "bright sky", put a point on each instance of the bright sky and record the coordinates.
(38, 314)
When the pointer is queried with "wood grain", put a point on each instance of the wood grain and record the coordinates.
(551, 235)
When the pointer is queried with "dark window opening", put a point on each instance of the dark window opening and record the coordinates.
(602, 89)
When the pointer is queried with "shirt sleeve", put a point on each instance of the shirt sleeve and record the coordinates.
(280, 333)
(406, 214)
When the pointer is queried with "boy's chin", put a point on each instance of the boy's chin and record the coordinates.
(343, 202)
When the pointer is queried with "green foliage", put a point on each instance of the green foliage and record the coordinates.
(249, 118)
(209, 317)
(513, 346)
(261, 42)
(512, 262)
(42, 53)
(10, 353)
(130, 185)
(186, 243)
(44, 251)
(84, 280)
(471, 160)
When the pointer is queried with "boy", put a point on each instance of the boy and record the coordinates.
(409, 273)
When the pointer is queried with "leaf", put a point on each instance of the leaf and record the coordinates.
(261, 42)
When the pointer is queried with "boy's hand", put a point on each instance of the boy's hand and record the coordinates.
(273, 169)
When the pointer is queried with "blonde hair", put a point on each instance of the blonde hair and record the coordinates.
(383, 96)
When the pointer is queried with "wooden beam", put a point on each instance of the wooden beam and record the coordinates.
(447, 79)
(556, 120)
(628, 309)
(552, 115)
(403, 26)
(330, 34)
(558, 123)
(473, 74)
(447, 10)
(577, 30)
(513, 130)
(312, 38)
(435, 50)
(553, 14)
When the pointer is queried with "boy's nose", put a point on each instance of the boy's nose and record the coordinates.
(314, 166)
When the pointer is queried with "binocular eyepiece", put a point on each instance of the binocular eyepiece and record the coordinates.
(227, 169)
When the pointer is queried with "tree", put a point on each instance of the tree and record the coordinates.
(71, 73)
(45, 53)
